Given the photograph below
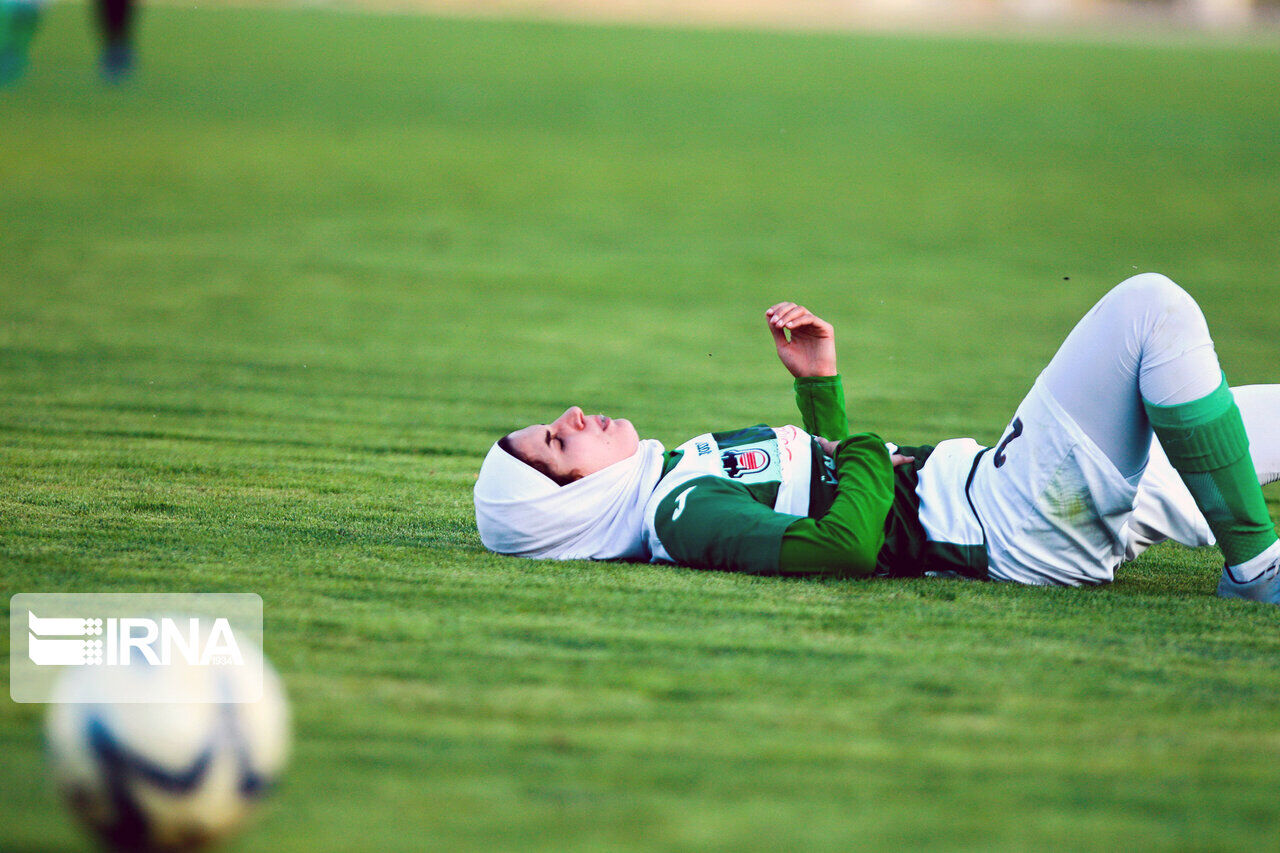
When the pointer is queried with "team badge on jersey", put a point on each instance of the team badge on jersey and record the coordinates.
(742, 463)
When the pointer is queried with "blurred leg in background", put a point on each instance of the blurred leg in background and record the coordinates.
(115, 21)
(18, 22)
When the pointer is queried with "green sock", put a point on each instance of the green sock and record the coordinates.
(1206, 442)
(18, 22)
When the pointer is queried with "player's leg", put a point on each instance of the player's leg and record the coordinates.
(1144, 340)
(1166, 510)
(115, 21)
(1141, 359)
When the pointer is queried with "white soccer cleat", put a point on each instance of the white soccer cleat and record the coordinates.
(1265, 587)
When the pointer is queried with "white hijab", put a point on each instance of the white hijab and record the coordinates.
(523, 512)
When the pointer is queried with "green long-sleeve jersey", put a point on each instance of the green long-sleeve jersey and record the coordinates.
(770, 501)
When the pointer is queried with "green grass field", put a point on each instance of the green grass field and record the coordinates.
(262, 312)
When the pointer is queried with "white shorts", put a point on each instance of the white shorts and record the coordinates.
(1056, 511)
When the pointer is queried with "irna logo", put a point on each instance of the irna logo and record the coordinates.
(92, 641)
(123, 646)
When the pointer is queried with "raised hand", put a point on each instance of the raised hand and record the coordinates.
(810, 349)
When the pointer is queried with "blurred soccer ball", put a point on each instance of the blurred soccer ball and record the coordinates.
(167, 777)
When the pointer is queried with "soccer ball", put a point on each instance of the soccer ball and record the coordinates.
(166, 777)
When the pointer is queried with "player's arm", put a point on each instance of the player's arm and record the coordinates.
(847, 540)
(807, 347)
(820, 400)
(714, 523)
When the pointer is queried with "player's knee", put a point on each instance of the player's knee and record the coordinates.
(1155, 295)
(1151, 288)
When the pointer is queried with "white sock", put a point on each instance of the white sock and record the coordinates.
(1250, 569)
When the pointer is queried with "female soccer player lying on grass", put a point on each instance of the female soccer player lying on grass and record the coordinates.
(1074, 487)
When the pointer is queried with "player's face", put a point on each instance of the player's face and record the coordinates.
(575, 444)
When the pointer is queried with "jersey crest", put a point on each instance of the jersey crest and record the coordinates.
(750, 455)
(741, 463)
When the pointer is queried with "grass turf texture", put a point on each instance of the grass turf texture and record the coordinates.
(263, 311)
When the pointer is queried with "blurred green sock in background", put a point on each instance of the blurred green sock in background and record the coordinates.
(18, 22)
